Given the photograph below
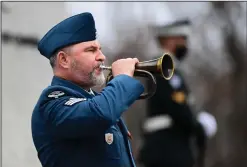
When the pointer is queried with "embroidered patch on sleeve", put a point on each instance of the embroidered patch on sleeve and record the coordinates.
(56, 94)
(72, 101)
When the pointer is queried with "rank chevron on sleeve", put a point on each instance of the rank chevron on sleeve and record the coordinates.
(72, 101)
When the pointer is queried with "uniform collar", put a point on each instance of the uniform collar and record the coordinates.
(62, 82)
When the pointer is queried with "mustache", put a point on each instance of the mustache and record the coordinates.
(98, 65)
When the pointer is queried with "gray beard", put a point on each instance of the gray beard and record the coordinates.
(94, 80)
(97, 80)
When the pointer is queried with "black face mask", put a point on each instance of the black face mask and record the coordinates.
(180, 52)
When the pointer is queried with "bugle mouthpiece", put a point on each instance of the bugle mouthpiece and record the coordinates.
(104, 67)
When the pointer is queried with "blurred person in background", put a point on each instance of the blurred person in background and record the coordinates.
(72, 125)
(171, 131)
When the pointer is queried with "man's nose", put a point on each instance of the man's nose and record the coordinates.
(100, 57)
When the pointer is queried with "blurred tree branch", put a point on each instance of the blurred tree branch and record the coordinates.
(228, 92)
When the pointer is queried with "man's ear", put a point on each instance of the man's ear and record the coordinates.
(63, 59)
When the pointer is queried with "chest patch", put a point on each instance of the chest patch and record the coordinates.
(56, 94)
(73, 101)
(175, 81)
(109, 138)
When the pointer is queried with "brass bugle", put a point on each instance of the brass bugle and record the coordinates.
(162, 66)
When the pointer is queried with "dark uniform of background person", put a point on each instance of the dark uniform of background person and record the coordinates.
(170, 123)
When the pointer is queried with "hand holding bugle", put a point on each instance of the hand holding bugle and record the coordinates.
(163, 66)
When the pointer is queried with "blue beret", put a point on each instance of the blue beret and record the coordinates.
(75, 29)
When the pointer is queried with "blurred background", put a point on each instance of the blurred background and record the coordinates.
(215, 69)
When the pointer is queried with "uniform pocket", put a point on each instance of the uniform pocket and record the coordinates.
(112, 143)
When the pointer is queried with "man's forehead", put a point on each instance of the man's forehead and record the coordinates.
(85, 45)
(94, 43)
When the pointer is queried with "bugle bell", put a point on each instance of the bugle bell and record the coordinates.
(163, 66)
